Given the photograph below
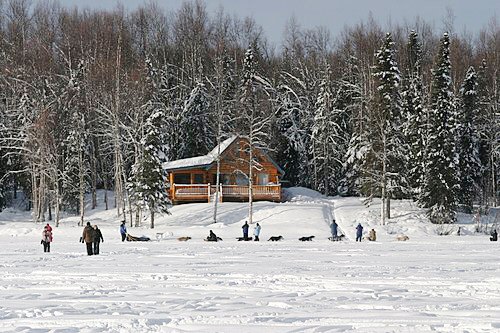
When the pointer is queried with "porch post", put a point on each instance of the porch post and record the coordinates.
(220, 192)
(172, 186)
(208, 191)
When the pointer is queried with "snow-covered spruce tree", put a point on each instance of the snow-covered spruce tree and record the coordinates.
(197, 135)
(383, 167)
(294, 119)
(414, 115)
(441, 170)
(254, 121)
(353, 101)
(327, 138)
(468, 153)
(148, 178)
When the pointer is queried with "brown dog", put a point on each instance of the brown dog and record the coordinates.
(183, 239)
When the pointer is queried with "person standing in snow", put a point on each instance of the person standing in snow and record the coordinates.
(123, 231)
(88, 238)
(49, 228)
(359, 232)
(494, 236)
(97, 239)
(256, 232)
(333, 229)
(245, 230)
(372, 236)
(46, 239)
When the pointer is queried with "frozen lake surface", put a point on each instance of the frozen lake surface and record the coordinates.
(428, 284)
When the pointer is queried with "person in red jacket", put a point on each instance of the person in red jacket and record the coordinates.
(46, 239)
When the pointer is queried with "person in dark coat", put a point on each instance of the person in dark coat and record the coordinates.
(212, 237)
(88, 238)
(97, 239)
(245, 230)
(46, 239)
(359, 232)
(333, 229)
(494, 236)
(123, 231)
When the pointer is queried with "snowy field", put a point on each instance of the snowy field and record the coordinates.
(428, 284)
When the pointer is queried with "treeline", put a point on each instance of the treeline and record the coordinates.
(99, 99)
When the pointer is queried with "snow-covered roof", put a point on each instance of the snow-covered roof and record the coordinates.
(200, 161)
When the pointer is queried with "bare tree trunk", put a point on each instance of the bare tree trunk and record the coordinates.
(217, 182)
(57, 206)
(41, 198)
(34, 195)
(93, 172)
(81, 186)
(138, 214)
(119, 181)
(106, 207)
(388, 208)
(152, 211)
(384, 181)
(50, 210)
(250, 179)
(130, 211)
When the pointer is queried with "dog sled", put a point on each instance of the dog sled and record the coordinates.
(131, 238)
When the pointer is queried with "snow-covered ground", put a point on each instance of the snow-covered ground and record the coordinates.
(430, 283)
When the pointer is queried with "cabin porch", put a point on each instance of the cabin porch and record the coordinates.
(207, 192)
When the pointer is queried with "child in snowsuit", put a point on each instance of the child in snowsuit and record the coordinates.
(359, 232)
(256, 232)
(46, 239)
(97, 239)
(245, 230)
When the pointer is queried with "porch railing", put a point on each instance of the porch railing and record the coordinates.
(187, 192)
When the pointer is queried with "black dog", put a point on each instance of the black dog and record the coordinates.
(306, 239)
(275, 238)
(244, 239)
(336, 239)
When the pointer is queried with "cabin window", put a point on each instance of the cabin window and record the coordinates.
(198, 178)
(182, 178)
(241, 179)
(225, 179)
(262, 179)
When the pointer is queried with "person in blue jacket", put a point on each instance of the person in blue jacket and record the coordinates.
(123, 231)
(256, 232)
(245, 230)
(359, 232)
(333, 228)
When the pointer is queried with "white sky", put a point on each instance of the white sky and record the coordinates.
(335, 14)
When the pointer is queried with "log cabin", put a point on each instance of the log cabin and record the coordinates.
(194, 179)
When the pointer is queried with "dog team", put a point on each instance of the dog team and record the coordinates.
(372, 235)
